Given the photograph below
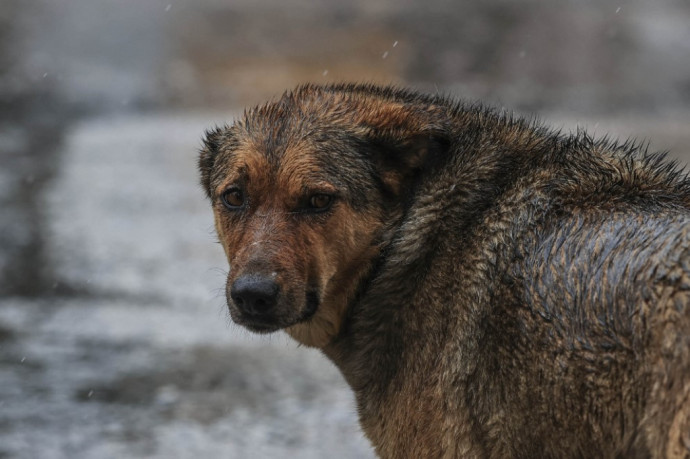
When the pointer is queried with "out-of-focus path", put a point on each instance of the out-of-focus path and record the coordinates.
(136, 357)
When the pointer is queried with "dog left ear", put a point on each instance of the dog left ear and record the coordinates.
(207, 156)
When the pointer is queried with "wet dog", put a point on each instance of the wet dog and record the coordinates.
(487, 287)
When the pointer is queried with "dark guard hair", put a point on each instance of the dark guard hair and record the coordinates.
(488, 287)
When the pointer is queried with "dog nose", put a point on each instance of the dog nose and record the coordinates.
(254, 295)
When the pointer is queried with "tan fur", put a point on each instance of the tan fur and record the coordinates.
(337, 264)
(349, 260)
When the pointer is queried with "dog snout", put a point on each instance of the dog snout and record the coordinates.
(255, 295)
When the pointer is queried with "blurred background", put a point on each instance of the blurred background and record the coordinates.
(114, 338)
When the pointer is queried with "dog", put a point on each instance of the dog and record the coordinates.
(487, 287)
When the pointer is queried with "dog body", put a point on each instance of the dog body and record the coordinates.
(488, 288)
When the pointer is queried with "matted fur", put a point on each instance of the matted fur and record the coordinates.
(487, 287)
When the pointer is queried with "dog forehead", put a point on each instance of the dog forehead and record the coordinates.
(295, 144)
(266, 169)
(309, 144)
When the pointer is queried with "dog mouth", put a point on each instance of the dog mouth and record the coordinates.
(260, 327)
(311, 306)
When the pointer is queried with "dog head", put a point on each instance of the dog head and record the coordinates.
(306, 191)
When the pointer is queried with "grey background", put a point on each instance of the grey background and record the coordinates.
(114, 338)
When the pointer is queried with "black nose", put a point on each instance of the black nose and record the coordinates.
(254, 294)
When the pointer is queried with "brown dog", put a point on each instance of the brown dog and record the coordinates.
(487, 287)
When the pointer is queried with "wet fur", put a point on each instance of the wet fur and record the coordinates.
(487, 287)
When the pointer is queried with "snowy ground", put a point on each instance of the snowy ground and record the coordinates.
(140, 360)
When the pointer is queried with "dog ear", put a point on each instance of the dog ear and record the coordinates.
(407, 140)
(401, 162)
(207, 156)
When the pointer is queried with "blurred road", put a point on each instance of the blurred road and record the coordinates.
(140, 360)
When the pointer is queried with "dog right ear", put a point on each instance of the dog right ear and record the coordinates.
(407, 140)
(401, 161)
(207, 155)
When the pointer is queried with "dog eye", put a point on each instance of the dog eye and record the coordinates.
(233, 199)
(320, 202)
